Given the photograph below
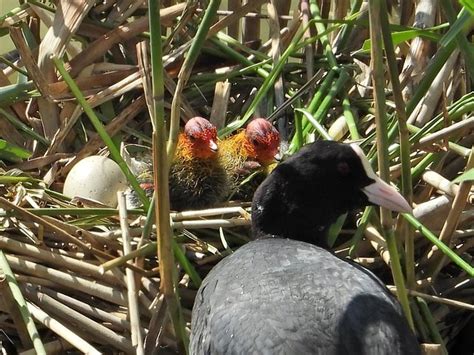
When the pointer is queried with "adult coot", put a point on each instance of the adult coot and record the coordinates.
(286, 296)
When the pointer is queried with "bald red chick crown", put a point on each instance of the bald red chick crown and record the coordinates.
(262, 141)
(201, 137)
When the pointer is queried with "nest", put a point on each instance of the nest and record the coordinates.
(80, 276)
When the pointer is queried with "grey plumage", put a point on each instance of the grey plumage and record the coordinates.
(307, 301)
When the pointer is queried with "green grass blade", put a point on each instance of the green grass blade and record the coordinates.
(441, 246)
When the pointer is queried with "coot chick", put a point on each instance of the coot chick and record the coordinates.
(285, 296)
(252, 150)
(196, 177)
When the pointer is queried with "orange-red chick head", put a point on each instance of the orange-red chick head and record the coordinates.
(201, 135)
(263, 140)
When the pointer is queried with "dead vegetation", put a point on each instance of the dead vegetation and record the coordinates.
(85, 276)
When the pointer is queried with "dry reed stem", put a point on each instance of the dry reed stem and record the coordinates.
(437, 299)
(95, 241)
(67, 237)
(239, 12)
(41, 162)
(8, 243)
(220, 103)
(73, 282)
(436, 258)
(273, 8)
(233, 29)
(66, 21)
(145, 74)
(119, 14)
(29, 62)
(440, 183)
(120, 34)
(378, 243)
(84, 325)
(465, 126)
(61, 330)
(239, 211)
(114, 73)
(417, 58)
(10, 305)
(432, 349)
(427, 106)
(53, 347)
(20, 16)
(10, 134)
(210, 223)
(35, 280)
(339, 129)
(158, 323)
(188, 111)
(90, 83)
(250, 28)
(433, 213)
(120, 323)
(112, 128)
(136, 331)
(122, 260)
(74, 111)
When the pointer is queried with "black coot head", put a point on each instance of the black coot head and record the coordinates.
(307, 192)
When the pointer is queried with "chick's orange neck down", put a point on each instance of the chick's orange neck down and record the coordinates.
(189, 148)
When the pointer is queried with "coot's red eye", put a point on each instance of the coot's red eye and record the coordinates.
(343, 168)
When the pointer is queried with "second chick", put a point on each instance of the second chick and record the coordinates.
(252, 150)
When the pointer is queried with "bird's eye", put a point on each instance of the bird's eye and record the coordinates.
(343, 168)
(193, 138)
(255, 142)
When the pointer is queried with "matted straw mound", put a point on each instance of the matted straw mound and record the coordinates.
(85, 277)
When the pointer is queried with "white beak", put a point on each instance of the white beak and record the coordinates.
(382, 194)
(212, 146)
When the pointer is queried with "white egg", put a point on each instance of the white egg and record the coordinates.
(96, 178)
